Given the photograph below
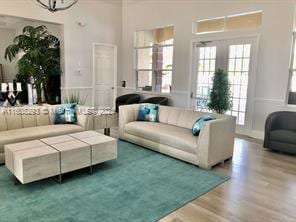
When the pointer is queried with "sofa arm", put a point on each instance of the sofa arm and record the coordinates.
(216, 141)
(85, 117)
(270, 124)
(127, 113)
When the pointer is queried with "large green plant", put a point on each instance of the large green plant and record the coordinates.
(220, 93)
(39, 53)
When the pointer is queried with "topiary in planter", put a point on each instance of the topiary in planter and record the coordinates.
(220, 100)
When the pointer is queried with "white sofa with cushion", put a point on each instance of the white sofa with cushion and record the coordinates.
(172, 135)
(21, 124)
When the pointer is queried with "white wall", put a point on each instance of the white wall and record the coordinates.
(9, 68)
(274, 47)
(103, 24)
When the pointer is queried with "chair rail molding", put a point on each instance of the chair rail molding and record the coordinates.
(269, 100)
(76, 87)
(257, 134)
(174, 92)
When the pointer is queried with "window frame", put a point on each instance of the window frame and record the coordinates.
(291, 70)
(153, 70)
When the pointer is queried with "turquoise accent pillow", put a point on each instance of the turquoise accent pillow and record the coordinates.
(66, 113)
(200, 123)
(148, 112)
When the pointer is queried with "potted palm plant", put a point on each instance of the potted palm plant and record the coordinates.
(39, 55)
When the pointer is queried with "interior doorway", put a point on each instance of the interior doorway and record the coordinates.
(104, 75)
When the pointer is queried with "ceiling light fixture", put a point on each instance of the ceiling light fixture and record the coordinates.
(55, 5)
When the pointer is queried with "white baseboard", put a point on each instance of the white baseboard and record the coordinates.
(257, 134)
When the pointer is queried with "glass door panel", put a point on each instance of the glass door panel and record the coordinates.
(205, 66)
(238, 73)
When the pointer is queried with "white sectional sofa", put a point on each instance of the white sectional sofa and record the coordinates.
(28, 123)
(172, 135)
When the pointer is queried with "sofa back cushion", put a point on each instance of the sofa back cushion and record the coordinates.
(85, 117)
(23, 117)
(3, 124)
(180, 116)
(13, 118)
(28, 120)
(285, 120)
(43, 117)
(51, 113)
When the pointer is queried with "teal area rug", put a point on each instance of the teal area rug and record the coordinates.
(141, 185)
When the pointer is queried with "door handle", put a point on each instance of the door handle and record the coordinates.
(192, 96)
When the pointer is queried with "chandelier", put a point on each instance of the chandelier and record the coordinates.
(56, 5)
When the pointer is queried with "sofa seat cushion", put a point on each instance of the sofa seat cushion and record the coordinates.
(32, 133)
(286, 136)
(174, 136)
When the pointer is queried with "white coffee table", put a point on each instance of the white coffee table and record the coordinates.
(39, 159)
(103, 148)
(74, 154)
(32, 161)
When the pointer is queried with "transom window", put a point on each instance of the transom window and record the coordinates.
(229, 23)
(154, 59)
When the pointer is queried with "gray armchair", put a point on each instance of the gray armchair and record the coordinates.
(127, 99)
(280, 132)
(157, 100)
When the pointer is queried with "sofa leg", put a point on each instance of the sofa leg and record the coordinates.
(222, 162)
(205, 168)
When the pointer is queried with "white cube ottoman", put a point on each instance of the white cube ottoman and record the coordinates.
(31, 164)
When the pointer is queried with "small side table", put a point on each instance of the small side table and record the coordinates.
(105, 120)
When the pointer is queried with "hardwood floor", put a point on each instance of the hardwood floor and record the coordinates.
(262, 188)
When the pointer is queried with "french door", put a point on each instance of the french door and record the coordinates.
(238, 58)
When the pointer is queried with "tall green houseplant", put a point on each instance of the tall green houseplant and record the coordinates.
(220, 94)
(39, 55)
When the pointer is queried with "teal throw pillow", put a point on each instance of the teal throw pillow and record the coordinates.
(200, 123)
(66, 113)
(148, 112)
